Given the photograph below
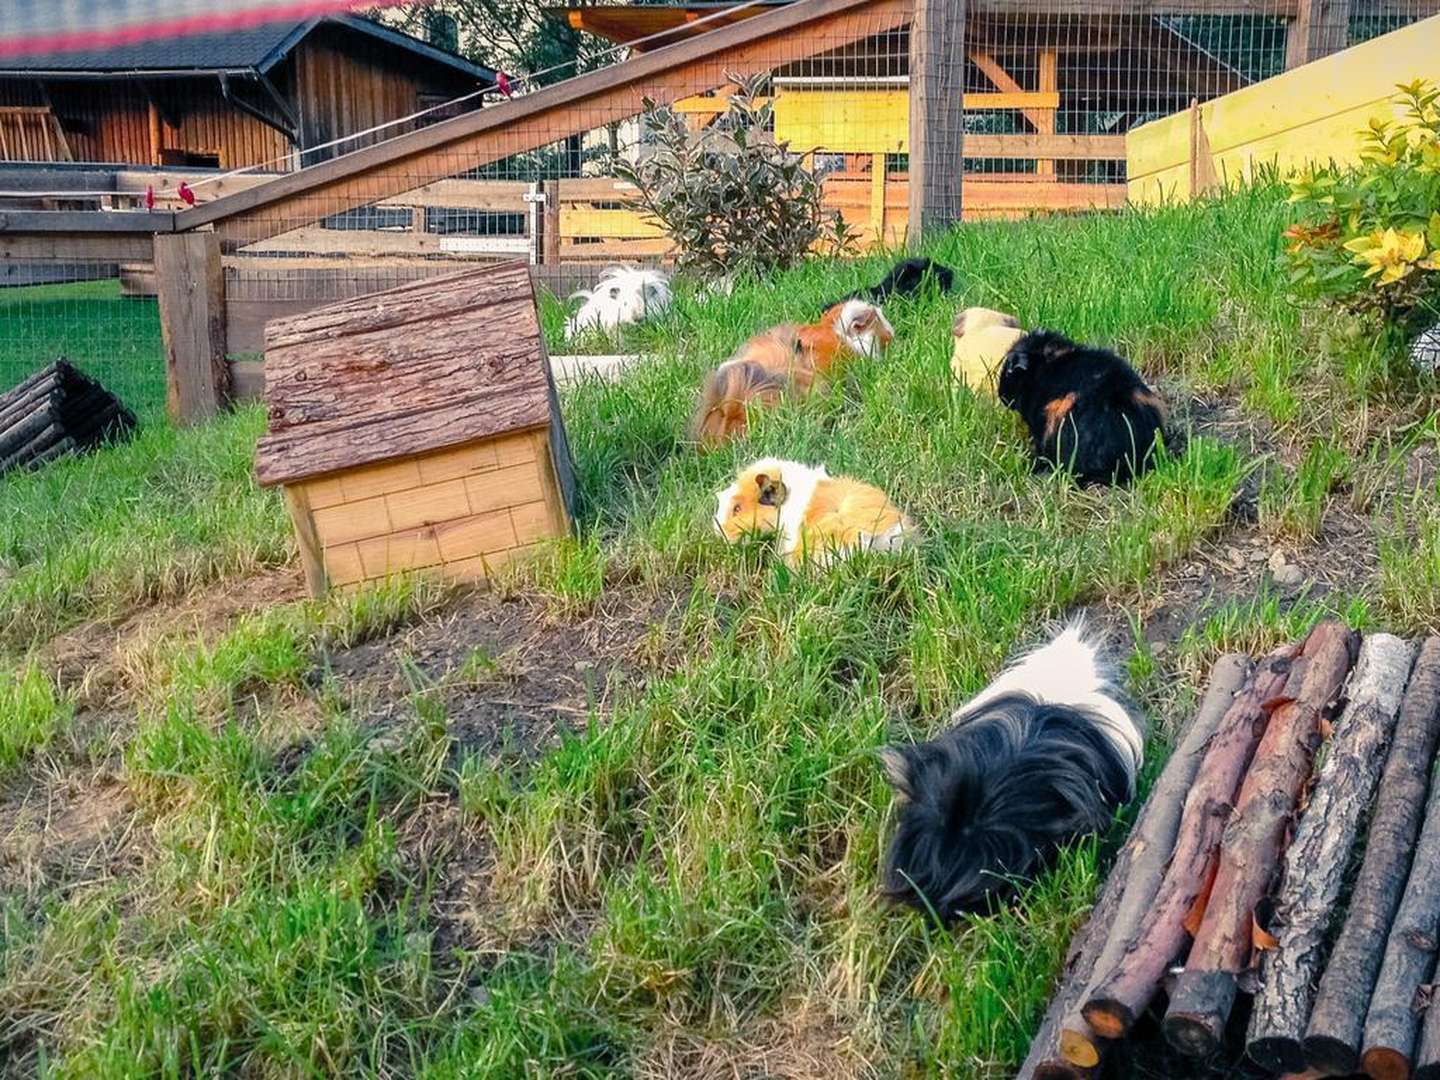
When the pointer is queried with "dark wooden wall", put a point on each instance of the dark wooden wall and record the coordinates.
(337, 81)
(344, 84)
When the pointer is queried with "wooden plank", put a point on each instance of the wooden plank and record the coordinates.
(1312, 114)
(550, 249)
(190, 283)
(1320, 27)
(247, 380)
(1002, 80)
(573, 106)
(610, 224)
(877, 195)
(937, 130)
(85, 222)
(312, 557)
(99, 247)
(1049, 83)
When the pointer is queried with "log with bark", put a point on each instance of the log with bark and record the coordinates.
(1337, 1020)
(1253, 843)
(1318, 855)
(54, 412)
(1402, 988)
(1120, 995)
(1140, 868)
(1427, 1057)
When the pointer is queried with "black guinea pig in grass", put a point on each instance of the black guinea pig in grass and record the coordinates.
(1087, 410)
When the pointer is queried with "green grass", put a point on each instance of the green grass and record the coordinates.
(114, 338)
(696, 872)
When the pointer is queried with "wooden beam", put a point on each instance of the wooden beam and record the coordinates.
(85, 221)
(52, 248)
(937, 128)
(1049, 83)
(1004, 82)
(1073, 147)
(191, 285)
(877, 196)
(550, 215)
(1321, 27)
(580, 104)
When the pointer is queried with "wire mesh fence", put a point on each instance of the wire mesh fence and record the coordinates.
(543, 170)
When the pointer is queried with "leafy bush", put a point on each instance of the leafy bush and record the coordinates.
(729, 196)
(1368, 238)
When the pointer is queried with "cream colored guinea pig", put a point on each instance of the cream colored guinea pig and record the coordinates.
(815, 517)
(982, 338)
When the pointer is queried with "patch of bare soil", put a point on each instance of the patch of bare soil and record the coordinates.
(88, 657)
(510, 676)
(801, 1043)
(65, 830)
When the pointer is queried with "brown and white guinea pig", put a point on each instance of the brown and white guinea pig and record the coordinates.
(982, 337)
(815, 517)
(785, 360)
(1044, 754)
(1088, 411)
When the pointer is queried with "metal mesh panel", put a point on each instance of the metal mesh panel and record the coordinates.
(529, 170)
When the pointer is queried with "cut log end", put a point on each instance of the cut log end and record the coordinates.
(1278, 1054)
(1383, 1063)
(1196, 1035)
(1331, 1056)
(1078, 1048)
(1108, 1018)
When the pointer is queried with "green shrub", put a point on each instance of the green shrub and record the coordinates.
(1368, 238)
(729, 196)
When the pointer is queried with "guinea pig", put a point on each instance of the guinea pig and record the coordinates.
(785, 360)
(1044, 754)
(906, 278)
(622, 295)
(1086, 409)
(982, 337)
(814, 517)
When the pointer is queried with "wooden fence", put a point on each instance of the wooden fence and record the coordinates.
(1313, 114)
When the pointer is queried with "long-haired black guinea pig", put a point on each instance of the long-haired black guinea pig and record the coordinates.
(1086, 408)
(905, 278)
(1044, 754)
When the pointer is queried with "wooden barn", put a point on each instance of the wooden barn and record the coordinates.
(272, 94)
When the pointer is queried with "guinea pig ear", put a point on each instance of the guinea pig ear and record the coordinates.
(772, 491)
(897, 769)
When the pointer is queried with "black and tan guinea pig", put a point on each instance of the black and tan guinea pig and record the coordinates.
(1044, 754)
(1087, 410)
(906, 278)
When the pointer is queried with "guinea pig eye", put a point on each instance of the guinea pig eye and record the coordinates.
(737, 508)
(614, 294)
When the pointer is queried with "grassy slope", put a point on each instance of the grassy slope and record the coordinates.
(696, 877)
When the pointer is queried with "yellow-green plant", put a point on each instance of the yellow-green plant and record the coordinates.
(1368, 237)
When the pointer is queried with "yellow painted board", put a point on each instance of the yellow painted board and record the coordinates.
(871, 121)
(1313, 114)
(610, 224)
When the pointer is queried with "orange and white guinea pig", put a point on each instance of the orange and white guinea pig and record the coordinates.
(787, 359)
(814, 516)
(982, 338)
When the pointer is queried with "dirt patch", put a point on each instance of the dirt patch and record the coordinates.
(802, 1043)
(89, 658)
(509, 676)
(67, 829)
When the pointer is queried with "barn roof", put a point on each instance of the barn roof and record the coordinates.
(257, 47)
(421, 367)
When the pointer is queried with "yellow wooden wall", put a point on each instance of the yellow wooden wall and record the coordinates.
(1312, 115)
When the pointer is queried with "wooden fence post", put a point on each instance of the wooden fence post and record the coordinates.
(190, 282)
(550, 253)
(1320, 27)
(937, 115)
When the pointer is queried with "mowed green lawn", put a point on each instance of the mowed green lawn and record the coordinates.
(687, 885)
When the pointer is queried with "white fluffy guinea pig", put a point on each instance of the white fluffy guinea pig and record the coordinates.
(815, 517)
(982, 337)
(622, 295)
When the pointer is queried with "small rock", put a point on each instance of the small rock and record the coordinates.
(1284, 572)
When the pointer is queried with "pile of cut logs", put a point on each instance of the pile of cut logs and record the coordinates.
(1232, 881)
(55, 412)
